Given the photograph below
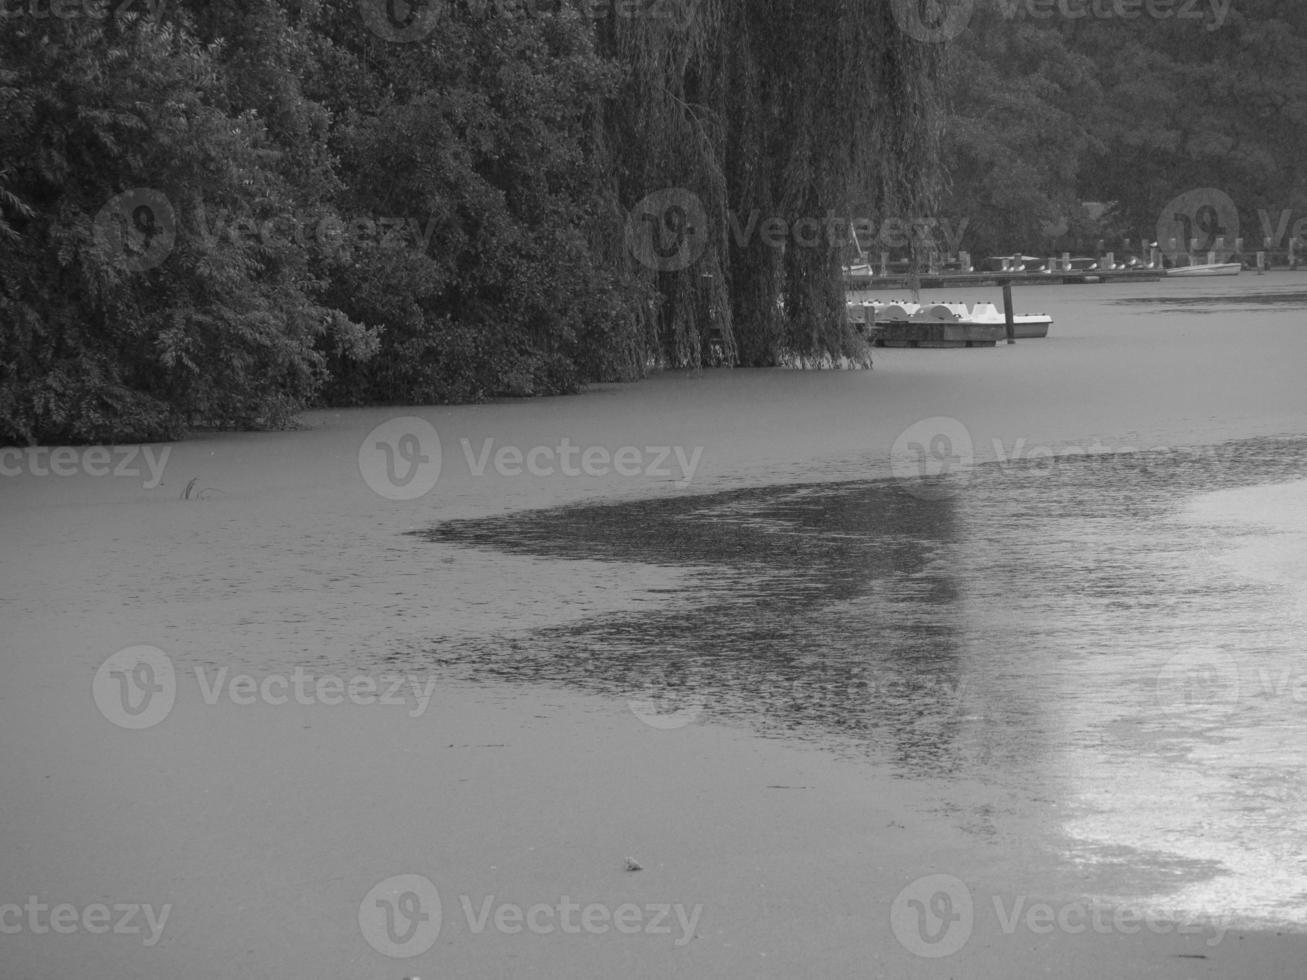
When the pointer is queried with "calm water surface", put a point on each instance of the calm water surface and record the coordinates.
(1097, 658)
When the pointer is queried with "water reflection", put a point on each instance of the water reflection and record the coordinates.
(862, 611)
(1018, 636)
(807, 611)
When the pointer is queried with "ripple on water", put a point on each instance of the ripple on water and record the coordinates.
(1061, 632)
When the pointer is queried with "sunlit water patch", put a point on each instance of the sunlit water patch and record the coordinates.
(1087, 644)
(1216, 773)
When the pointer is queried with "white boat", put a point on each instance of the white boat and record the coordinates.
(1025, 325)
(1218, 269)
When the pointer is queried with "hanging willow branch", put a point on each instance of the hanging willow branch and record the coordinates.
(768, 109)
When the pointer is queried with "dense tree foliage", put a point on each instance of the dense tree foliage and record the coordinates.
(1130, 104)
(217, 214)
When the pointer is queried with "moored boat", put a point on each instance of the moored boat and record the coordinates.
(1215, 269)
(984, 320)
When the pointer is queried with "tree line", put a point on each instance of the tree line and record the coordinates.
(215, 215)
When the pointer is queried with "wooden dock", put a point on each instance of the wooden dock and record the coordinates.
(943, 280)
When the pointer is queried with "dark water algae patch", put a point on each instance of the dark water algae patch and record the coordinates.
(848, 611)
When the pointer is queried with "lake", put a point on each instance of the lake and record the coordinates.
(840, 658)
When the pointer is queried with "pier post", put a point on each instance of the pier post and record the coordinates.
(884, 264)
(1261, 263)
(1008, 313)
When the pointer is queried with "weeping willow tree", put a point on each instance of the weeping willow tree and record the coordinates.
(782, 110)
